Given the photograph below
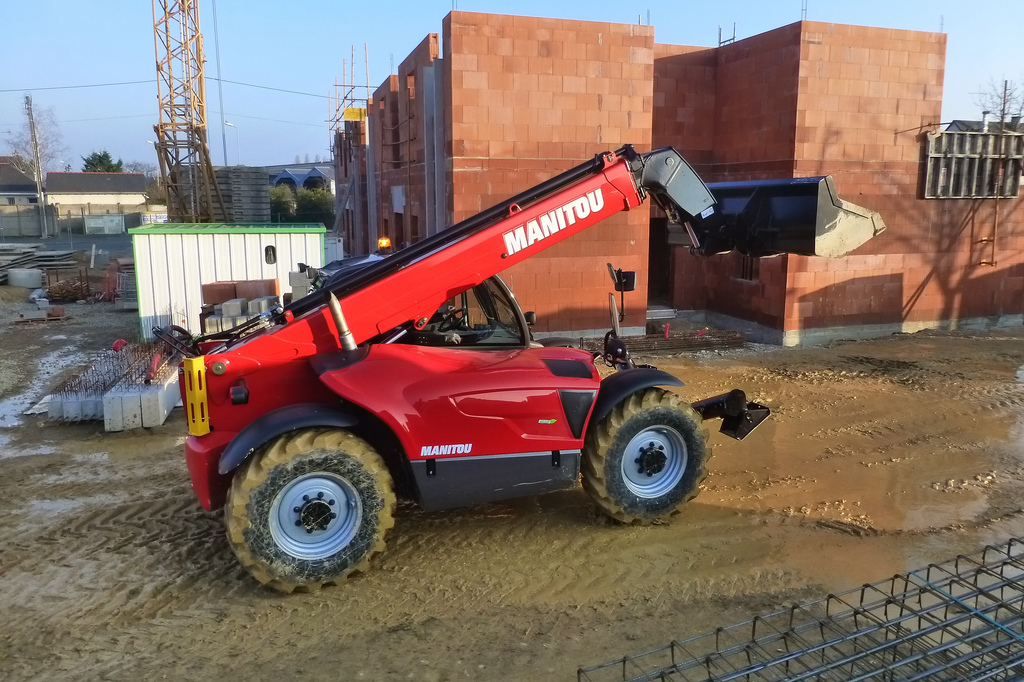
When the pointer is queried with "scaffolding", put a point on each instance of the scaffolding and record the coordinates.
(181, 145)
(961, 620)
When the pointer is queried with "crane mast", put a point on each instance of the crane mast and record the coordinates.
(181, 143)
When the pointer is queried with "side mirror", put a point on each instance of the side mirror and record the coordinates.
(624, 280)
(531, 317)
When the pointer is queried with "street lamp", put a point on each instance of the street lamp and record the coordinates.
(238, 153)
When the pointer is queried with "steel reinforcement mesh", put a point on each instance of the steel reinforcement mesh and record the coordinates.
(961, 620)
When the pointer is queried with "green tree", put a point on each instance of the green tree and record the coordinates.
(282, 204)
(314, 206)
(101, 162)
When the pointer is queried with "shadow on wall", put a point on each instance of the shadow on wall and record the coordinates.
(857, 301)
(992, 293)
(960, 280)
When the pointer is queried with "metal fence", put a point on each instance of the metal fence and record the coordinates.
(961, 620)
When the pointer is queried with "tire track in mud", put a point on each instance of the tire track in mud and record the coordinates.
(154, 557)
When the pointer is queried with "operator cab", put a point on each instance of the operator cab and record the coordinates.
(485, 317)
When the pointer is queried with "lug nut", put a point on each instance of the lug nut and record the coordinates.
(330, 502)
(298, 523)
(305, 498)
(296, 509)
(319, 496)
(333, 515)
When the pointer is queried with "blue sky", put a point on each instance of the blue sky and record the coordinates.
(300, 47)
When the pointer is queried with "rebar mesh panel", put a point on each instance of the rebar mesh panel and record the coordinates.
(961, 620)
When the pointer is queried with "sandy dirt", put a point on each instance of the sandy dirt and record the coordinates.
(880, 457)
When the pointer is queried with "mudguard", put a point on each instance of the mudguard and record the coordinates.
(273, 424)
(616, 387)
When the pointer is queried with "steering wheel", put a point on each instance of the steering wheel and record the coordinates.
(178, 340)
(452, 319)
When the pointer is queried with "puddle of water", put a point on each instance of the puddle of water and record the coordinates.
(883, 462)
(60, 505)
(47, 367)
(7, 452)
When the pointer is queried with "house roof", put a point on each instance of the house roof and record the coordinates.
(13, 181)
(1014, 125)
(96, 183)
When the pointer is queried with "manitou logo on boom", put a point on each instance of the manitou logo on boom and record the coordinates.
(435, 450)
(535, 230)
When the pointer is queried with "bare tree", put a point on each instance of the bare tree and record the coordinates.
(991, 99)
(144, 167)
(51, 143)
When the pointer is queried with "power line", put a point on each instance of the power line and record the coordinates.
(75, 87)
(277, 120)
(267, 87)
(108, 85)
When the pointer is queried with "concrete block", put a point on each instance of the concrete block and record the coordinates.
(158, 400)
(298, 279)
(261, 305)
(299, 291)
(131, 411)
(92, 409)
(113, 417)
(214, 323)
(72, 411)
(234, 308)
(55, 409)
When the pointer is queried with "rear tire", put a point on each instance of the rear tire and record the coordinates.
(310, 508)
(647, 458)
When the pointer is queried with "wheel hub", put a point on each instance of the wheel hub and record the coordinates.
(315, 514)
(652, 459)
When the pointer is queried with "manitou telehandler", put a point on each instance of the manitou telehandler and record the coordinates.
(417, 375)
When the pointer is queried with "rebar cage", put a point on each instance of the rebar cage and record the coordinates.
(960, 620)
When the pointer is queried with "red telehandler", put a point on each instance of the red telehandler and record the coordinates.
(417, 375)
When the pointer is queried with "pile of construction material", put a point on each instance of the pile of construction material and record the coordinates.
(69, 290)
(231, 313)
(246, 194)
(31, 257)
(128, 388)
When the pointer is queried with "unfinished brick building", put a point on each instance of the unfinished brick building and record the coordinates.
(515, 100)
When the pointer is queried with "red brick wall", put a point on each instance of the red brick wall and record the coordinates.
(731, 111)
(529, 99)
(851, 102)
(868, 95)
(398, 114)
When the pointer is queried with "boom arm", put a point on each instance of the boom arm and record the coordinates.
(390, 292)
(780, 216)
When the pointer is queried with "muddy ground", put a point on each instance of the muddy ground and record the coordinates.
(880, 457)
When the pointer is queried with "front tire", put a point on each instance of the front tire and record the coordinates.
(647, 458)
(310, 508)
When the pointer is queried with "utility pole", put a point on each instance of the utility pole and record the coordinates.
(38, 171)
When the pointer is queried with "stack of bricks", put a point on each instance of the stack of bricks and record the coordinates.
(246, 194)
(231, 313)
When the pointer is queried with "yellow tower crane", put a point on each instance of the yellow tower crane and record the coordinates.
(184, 155)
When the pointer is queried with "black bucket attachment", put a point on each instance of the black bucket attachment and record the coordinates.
(739, 417)
(804, 216)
